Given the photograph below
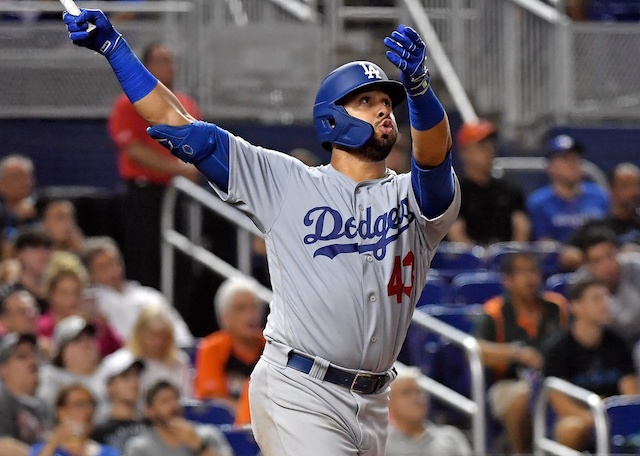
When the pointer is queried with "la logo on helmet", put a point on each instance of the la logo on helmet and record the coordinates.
(371, 71)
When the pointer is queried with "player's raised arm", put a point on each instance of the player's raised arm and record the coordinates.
(152, 100)
(429, 124)
(432, 176)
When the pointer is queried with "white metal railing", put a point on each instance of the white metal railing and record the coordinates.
(173, 240)
(542, 444)
(474, 406)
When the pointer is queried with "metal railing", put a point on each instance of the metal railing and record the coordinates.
(173, 240)
(542, 444)
(474, 406)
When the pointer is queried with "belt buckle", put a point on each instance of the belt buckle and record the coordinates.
(363, 375)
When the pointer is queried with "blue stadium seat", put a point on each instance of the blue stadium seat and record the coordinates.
(208, 412)
(241, 440)
(452, 258)
(436, 291)
(547, 254)
(475, 287)
(559, 282)
(624, 423)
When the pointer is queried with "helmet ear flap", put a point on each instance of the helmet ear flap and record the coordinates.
(335, 126)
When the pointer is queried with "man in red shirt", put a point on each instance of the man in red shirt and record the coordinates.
(147, 168)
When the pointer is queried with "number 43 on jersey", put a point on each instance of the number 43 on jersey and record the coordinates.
(402, 277)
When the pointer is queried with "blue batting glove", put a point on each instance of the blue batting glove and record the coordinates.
(190, 143)
(408, 53)
(103, 39)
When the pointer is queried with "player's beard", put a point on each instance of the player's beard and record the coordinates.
(377, 149)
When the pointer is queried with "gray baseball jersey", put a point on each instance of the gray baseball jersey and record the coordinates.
(348, 260)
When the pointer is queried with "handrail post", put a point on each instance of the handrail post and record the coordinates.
(167, 255)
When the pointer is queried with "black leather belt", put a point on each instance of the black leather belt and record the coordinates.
(358, 383)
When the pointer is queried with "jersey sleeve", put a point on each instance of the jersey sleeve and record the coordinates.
(258, 181)
(540, 223)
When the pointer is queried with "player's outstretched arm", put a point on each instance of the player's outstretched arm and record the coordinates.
(431, 171)
(151, 99)
(429, 124)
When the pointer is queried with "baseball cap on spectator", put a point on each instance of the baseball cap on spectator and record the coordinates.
(32, 237)
(474, 132)
(11, 341)
(562, 144)
(118, 363)
(67, 330)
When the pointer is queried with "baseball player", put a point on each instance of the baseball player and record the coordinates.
(349, 244)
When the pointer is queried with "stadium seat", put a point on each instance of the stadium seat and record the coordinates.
(452, 258)
(546, 253)
(475, 287)
(241, 440)
(559, 282)
(436, 291)
(624, 426)
(208, 412)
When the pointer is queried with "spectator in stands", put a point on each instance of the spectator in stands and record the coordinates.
(591, 356)
(492, 209)
(409, 431)
(59, 222)
(76, 360)
(147, 168)
(74, 408)
(22, 416)
(226, 358)
(18, 310)
(67, 295)
(121, 374)
(511, 332)
(33, 249)
(121, 300)
(170, 433)
(153, 342)
(621, 274)
(623, 218)
(19, 314)
(564, 205)
(17, 206)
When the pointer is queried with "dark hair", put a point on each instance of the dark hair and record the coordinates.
(6, 291)
(32, 237)
(65, 391)
(149, 48)
(508, 263)
(156, 388)
(578, 289)
(595, 235)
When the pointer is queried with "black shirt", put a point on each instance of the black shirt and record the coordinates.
(117, 433)
(487, 209)
(596, 369)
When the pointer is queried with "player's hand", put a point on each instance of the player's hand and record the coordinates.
(190, 143)
(407, 51)
(103, 39)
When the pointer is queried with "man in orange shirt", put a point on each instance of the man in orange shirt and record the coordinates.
(147, 168)
(226, 358)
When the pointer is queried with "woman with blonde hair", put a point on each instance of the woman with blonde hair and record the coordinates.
(67, 295)
(153, 342)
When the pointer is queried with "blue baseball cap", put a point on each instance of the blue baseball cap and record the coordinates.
(562, 144)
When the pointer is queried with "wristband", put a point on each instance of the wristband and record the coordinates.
(425, 111)
(136, 81)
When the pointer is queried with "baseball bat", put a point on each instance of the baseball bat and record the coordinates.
(73, 9)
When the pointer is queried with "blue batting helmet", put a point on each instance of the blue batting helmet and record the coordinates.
(333, 124)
